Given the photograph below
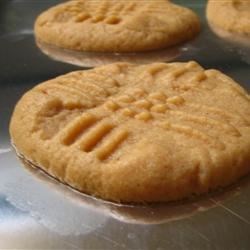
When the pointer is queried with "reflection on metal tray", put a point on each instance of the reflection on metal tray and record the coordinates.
(129, 213)
(94, 59)
(39, 213)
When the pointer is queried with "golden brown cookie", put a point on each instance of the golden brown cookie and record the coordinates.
(116, 26)
(135, 133)
(230, 15)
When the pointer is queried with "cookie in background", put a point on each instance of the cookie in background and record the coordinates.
(116, 26)
(230, 19)
(121, 28)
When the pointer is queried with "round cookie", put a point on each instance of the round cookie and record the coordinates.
(137, 133)
(230, 15)
(116, 26)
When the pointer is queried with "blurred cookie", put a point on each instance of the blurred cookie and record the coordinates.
(230, 15)
(137, 133)
(116, 26)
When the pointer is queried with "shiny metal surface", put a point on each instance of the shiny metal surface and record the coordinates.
(94, 59)
(38, 213)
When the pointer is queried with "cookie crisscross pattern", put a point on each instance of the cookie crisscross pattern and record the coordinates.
(97, 128)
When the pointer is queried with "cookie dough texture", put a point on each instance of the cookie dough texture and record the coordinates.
(230, 15)
(136, 133)
(116, 26)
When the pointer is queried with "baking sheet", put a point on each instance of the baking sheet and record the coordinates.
(38, 213)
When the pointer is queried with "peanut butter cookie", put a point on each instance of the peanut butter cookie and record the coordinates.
(116, 26)
(137, 133)
(230, 15)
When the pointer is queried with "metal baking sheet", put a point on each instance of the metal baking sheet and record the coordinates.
(38, 213)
